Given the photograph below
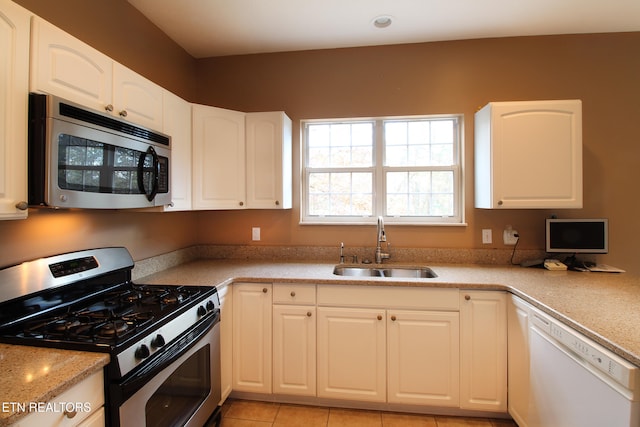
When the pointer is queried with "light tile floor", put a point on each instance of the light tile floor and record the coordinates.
(244, 413)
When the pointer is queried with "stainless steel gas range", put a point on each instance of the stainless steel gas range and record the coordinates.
(164, 341)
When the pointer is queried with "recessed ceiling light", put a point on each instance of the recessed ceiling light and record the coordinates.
(382, 21)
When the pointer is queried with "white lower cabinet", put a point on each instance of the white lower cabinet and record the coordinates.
(294, 339)
(88, 394)
(431, 347)
(483, 362)
(518, 360)
(294, 349)
(225, 294)
(423, 357)
(252, 337)
(352, 353)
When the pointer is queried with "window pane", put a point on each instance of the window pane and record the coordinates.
(419, 143)
(340, 194)
(420, 193)
(340, 145)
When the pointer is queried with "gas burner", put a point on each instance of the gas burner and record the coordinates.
(113, 329)
(172, 299)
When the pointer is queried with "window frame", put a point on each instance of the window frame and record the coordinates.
(379, 169)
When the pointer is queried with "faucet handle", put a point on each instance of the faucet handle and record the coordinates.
(341, 252)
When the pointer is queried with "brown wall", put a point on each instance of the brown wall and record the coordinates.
(448, 77)
(430, 78)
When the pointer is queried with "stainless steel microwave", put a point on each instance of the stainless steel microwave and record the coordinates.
(80, 158)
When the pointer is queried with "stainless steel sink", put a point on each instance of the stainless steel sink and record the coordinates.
(396, 271)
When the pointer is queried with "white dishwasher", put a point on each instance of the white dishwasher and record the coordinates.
(577, 382)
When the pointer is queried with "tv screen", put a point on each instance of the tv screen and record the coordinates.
(586, 236)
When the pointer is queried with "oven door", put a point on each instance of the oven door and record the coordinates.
(89, 168)
(184, 393)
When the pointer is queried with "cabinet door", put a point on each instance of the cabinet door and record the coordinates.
(252, 337)
(529, 155)
(518, 360)
(136, 99)
(352, 354)
(483, 348)
(226, 341)
(294, 350)
(424, 356)
(218, 158)
(177, 123)
(14, 86)
(67, 67)
(269, 168)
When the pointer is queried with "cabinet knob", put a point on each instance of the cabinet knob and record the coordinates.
(241, 203)
(277, 203)
(70, 414)
(123, 113)
(108, 108)
(264, 290)
(23, 206)
(293, 293)
(393, 318)
(379, 317)
(500, 202)
(308, 314)
(467, 297)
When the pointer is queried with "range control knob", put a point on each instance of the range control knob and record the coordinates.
(210, 305)
(202, 311)
(158, 341)
(142, 352)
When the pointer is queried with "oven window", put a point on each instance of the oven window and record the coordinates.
(182, 393)
(95, 167)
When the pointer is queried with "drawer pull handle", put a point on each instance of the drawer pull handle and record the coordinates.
(70, 414)
(293, 293)
(467, 297)
(379, 317)
(264, 290)
(393, 318)
(308, 314)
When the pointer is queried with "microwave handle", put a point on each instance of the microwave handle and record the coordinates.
(156, 170)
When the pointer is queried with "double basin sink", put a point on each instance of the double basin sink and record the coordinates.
(385, 271)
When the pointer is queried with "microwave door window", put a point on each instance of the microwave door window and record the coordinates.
(91, 166)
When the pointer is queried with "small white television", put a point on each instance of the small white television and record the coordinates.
(577, 236)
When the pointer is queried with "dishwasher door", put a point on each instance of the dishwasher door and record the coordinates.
(566, 391)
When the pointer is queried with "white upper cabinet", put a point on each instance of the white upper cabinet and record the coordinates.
(14, 86)
(269, 168)
(64, 66)
(177, 123)
(528, 155)
(218, 158)
(136, 99)
(67, 67)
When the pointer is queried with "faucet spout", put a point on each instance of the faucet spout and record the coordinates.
(381, 238)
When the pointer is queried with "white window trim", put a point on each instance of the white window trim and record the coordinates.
(379, 169)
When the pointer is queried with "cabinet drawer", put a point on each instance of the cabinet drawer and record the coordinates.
(389, 297)
(294, 293)
(88, 395)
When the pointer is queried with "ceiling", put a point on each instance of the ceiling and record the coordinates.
(206, 28)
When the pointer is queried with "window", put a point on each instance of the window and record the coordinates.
(406, 169)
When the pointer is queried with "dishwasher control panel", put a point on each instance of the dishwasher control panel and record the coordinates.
(589, 351)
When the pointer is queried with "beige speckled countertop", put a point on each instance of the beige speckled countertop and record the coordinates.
(603, 306)
(37, 374)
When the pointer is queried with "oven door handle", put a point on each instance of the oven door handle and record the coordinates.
(156, 174)
(138, 378)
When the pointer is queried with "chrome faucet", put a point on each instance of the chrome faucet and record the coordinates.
(382, 237)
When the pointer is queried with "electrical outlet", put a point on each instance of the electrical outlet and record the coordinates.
(510, 236)
(255, 233)
(486, 236)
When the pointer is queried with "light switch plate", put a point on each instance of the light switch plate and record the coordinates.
(486, 236)
(255, 233)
